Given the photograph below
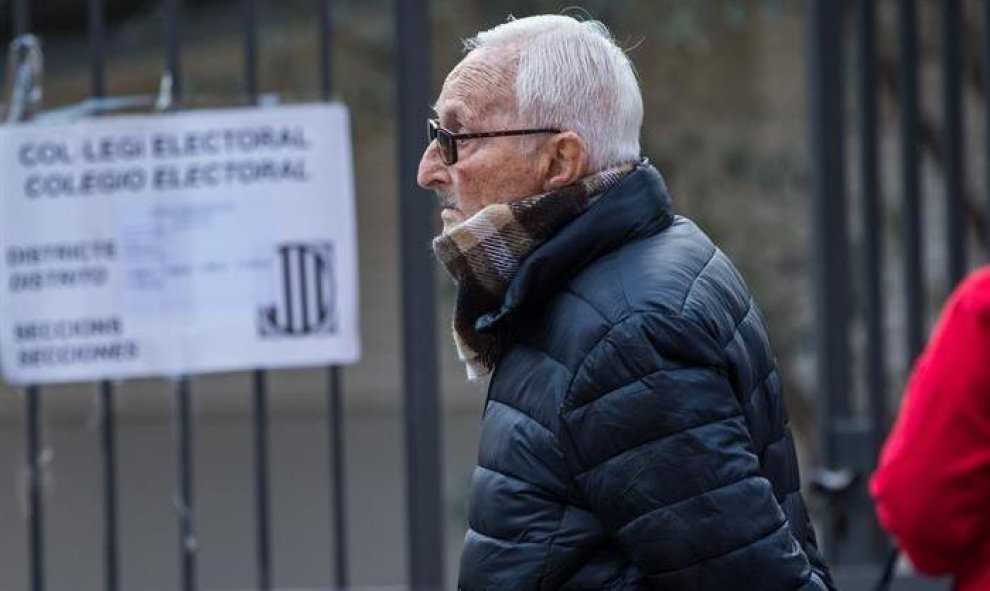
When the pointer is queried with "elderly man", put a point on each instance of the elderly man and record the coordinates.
(635, 434)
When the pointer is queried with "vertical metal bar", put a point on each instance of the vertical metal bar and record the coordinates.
(261, 481)
(109, 452)
(911, 179)
(188, 544)
(829, 195)
(36, 541)
(335, 411)
(250, 33)
(173, 57)
(335, 407)
(953, 137)
(830, 241)
(97, 48)
(417, 220)
(187, 522)
(36, 532)
(986, 112)
(871, 253)
(871, 250)
(97, 44)
(22, 17)
(249, 23)
(326, 65)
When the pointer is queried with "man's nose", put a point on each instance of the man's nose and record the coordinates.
(432, 172)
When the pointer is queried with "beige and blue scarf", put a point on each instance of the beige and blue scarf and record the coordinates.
(484, 252)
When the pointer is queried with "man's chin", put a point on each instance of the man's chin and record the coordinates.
(450, 218)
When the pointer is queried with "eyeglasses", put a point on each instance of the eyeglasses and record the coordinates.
(447, 141)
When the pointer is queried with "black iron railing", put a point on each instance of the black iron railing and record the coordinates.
(420, 363)
(851, 434)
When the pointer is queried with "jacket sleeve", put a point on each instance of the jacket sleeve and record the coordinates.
(659, 448)
(932, 485)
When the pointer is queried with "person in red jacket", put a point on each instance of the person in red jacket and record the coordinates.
(932, 486)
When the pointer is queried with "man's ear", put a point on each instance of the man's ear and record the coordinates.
(568, 160)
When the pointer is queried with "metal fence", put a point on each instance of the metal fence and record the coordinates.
(851, 434)
(850, 438)
(419, 338)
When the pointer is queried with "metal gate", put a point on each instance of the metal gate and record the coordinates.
(851, 300)
(855, 406)
(418, 302)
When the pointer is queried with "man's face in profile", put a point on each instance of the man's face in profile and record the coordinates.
(478, 96)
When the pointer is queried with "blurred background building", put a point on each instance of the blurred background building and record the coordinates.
(728, 113)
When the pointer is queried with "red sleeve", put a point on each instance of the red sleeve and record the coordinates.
(932, 485)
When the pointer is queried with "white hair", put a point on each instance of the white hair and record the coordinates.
(572, 76)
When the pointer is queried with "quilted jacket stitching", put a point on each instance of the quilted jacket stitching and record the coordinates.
(684, 500)
(666, 435)
(687, 294)
(752, 542)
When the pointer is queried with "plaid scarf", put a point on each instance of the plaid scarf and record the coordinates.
(484, 252)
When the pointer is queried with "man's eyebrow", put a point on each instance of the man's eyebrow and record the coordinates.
(456, 111)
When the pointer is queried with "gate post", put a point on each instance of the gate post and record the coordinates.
(829, 234)
(417, 219)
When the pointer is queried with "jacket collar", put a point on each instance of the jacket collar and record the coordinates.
(637, 207)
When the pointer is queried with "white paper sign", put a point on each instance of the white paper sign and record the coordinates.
(179, 243)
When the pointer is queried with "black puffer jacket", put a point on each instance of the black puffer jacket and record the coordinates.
(635, 435)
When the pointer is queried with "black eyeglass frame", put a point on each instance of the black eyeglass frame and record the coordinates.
(447, 140)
